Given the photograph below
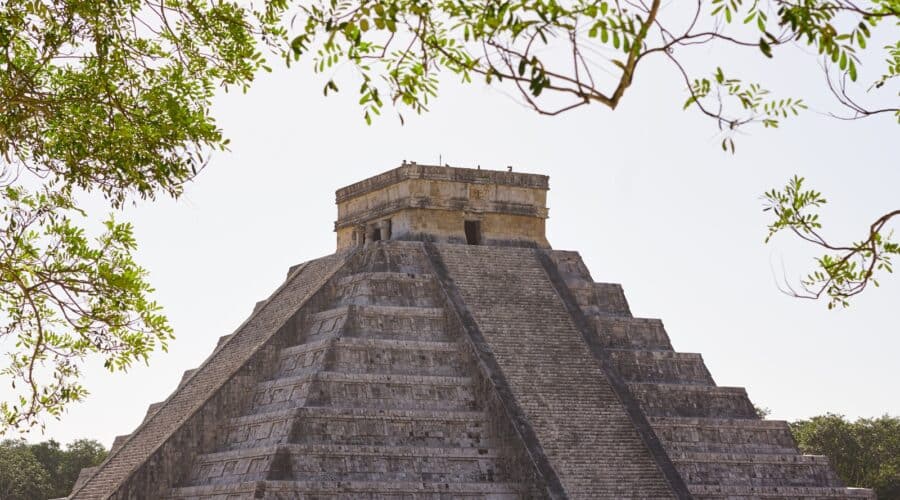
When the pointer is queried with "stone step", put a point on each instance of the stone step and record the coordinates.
(358, 426)
(411, 357)
(747, 469)
(186, 375)
(346, 490)
(683, 400)
(605, 299)
(388, 289)
(151, 410)
(303, 359)
(570, 265)
(724, 435)
(361, 355)
(387, 322)
(259, 429)
(329, 462)
(631, 333)
(282, 393)
(395, 256)
(365, 275)
(354, 390)
(326, 324)
(611, 300)
(117, 442)
(350, 390)
(598, 298)
(778, 492)
(584, 292)
(85, 474)
(223, 339)
(462, 429)
(660, 366)
(400, 323)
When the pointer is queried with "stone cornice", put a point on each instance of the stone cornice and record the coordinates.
(452, 174)
(454, 204)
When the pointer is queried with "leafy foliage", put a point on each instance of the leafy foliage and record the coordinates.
(44, 470)
(109, 97)
(64, 296)
(865, 453)
(114, 96)
(847, 269)
(562, 55)
(408, 42)
(22, 477)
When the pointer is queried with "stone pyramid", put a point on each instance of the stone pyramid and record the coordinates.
(445, 351)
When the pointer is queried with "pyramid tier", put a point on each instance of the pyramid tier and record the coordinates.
(358, 426)
(258, 429)
(355, 490)
(382, 322)
(350, 390)
(631, 333)
(744, 469)
(363, 355)
(779, 492)
(401, 357)
(660, 366)
(336, 462)
(683, 400)
(387, 289)
(432, 428)
(724, 435)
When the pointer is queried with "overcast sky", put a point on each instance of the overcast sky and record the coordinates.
(644, 193)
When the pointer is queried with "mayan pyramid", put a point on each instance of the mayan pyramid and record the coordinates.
(447, 351)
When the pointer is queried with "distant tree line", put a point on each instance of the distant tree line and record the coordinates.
(44, 470)
(865, 453)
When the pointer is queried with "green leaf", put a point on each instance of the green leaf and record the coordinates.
(765, 48)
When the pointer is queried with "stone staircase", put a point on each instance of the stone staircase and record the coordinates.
(375, 400)
(712, 434)
(577, 423)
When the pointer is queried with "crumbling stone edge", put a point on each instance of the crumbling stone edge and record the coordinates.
(492, 372)
(592, 339)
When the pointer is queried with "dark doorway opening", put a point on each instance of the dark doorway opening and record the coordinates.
(376, 235)
(473, 232)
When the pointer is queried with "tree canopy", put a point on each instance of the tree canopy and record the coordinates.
(114, 98)
(44, 470)
(865, 453)
(108, 97)
(21, 474)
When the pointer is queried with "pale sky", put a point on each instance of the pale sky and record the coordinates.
(644, 193)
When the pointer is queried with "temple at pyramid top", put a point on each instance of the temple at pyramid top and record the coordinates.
(446, 205)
